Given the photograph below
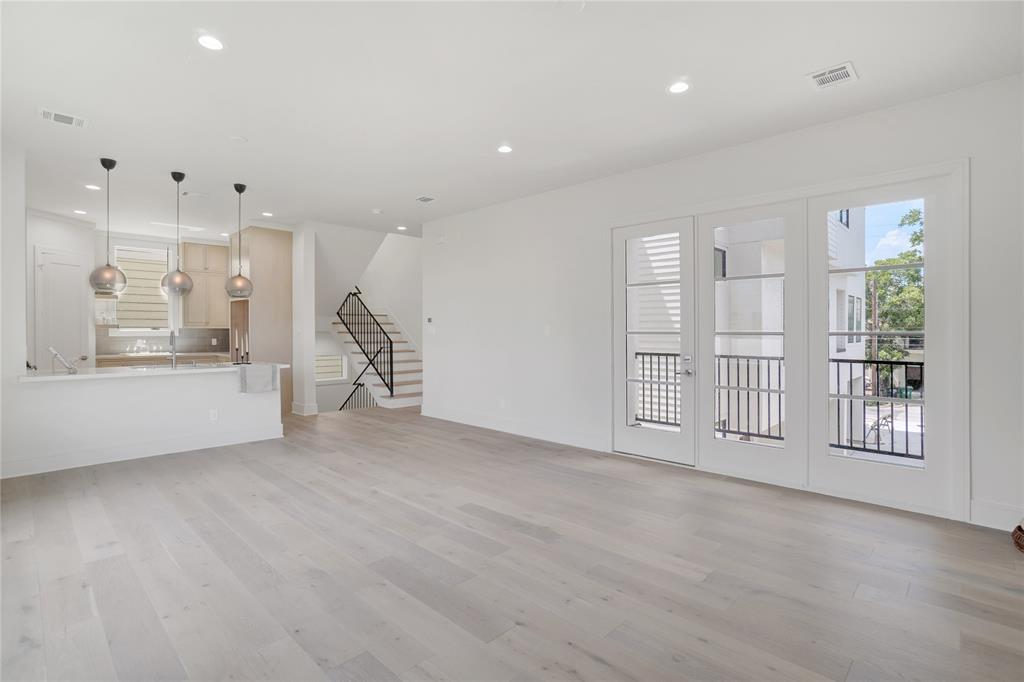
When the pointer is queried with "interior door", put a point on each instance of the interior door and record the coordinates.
(654, 340)
(752, 367)
(879, 320)
(62, 306)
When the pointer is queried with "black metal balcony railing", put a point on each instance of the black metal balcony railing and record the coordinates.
(749, 393)
(749, 396)
(878, 406)
(658, 389)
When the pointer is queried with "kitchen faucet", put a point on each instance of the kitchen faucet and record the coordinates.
(174, 352)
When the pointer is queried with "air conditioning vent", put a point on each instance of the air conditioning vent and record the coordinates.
(62, 119)
(424, 199)
(827, 78)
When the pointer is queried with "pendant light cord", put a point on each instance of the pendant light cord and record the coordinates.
(108, 216)
(239, 234)
(177, 222)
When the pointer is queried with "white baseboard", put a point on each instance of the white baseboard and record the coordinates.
(305, 409)
(136, 450)
(995, 514)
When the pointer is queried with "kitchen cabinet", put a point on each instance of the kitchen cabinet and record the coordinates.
(158, 360)
(206, 306)
(196, 257)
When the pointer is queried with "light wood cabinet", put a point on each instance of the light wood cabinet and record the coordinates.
(207, 304)
(194, 305)
(193, 257)
(160, 361)
(196, 257)
(217, 259)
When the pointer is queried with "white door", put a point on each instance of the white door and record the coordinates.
(752, 368)
(876, 433)
(654, 340)
(62, 312)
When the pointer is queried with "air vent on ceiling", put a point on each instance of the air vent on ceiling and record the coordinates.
(843, 73)
(62, 119)
(424, 199)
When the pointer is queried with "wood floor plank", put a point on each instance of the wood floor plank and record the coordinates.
(382, 545)
(139, 646)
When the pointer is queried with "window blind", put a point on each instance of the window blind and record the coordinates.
(328, 367)
(142, 304)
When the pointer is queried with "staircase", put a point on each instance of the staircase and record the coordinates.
(391, 367)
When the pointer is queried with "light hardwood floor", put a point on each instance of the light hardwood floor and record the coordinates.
(382, 545)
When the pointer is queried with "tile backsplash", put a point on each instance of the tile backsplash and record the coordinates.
(188, 341)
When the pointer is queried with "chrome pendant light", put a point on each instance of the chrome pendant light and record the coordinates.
(177, 282)
(239, 286)
(108, 279)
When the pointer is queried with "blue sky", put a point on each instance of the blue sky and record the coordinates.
(883, 238)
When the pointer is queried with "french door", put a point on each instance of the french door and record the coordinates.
(654, 341)
(887, 353)
(787, 342)
(752, 350)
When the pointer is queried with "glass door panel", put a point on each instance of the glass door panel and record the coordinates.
(653, 322)
(752, 320)
(875, 433)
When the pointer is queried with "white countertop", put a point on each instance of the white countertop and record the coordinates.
(161, 354)
(93, 373)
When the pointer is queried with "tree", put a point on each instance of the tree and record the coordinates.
(899, 293)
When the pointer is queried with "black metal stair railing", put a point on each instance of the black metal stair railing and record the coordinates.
(370, 337)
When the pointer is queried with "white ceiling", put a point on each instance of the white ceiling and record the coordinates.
(350, 107)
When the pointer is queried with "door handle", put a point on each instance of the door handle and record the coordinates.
(688, 372)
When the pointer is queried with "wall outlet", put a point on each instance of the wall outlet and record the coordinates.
(213, 342)
(214, 415)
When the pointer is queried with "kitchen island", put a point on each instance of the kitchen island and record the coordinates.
(116, 413)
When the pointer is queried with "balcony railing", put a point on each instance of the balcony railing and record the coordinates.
(749, 393)
(877, 406)
(658, 388)
(750, 396)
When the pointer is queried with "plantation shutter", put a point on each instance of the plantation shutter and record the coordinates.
(142, 304)
(328, 367)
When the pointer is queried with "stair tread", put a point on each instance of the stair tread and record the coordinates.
(408, 371)
(400, 383)
(392, 341)
(364, 362)
(402, 395)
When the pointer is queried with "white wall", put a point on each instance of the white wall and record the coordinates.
(522, 290)
(393, 283)
(13, 328)
(342, 254)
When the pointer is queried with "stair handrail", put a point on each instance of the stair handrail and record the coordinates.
(372, 339)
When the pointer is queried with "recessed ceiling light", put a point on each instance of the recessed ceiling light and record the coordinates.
(210, 43)
(401, 227)
(79, 212)
(268, 214)
(678, 87)
(94, 188)
(225, 234)
(504, 149)
(239, 139)
(376, 211)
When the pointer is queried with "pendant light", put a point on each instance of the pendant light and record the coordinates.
(177, 282)
(239, 286)
(108, 279)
